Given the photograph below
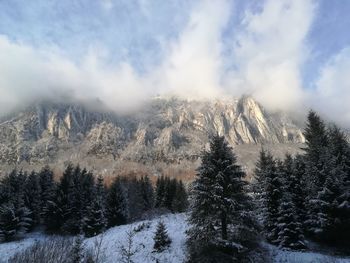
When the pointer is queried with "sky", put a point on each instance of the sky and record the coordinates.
(289, 54)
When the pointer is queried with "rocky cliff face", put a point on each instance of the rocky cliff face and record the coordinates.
(165, 130)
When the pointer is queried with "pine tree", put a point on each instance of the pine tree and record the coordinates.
(340, 151)
(289, 226)
(170, 190)
(134, 198)
(161, 238)
(96, 220)
(221, 226)
(147, 193)
(56, 211)
(180, 201)
(160, 192)
(80, 193)
(298, 185)
(47, 187)
(32, 197)
(262, 168)
(14, 220)
(273, 192)
(290, 232)
(117, 210)
(128, 251)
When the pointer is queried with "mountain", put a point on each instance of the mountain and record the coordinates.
(164, 133)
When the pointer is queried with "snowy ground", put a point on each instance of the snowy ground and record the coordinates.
(176, 224)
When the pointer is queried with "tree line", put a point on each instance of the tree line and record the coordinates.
(80, 203)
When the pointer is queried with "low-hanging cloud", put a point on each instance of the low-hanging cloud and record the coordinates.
(263, 56)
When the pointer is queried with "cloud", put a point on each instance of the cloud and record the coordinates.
(269, 51)
(28, 74)
(332, 94)
(193, 66)
(211, 53)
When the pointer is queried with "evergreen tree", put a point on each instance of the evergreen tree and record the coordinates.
(47, 187)
(147, 193)
(170, 190)
(272, 200)
(80, 193)
(221, 226)
(128, 251)
(161, 238)
(160, 192)
(134, 198)
(298, 185)
(262, 168)
(117, 210)
(180, 201)
(96, 220)
(14, 220)
(56, 211)
(32, 197)
(340, 151)
(290, 232)
(289, 226)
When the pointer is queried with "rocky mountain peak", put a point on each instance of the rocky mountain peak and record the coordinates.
(164, 130)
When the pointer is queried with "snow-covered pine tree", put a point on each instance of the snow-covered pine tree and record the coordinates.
(259, 185)
(47, 187)
(128, 251)
(32, 197)
(340, 150)
(299, 189)
(161, 238)
(12, 186)
(289, 227)
(14, 219)
(327, 203)
(221, 225)
(272, 200)
(116, 206)
(80, 194)
(96, 220)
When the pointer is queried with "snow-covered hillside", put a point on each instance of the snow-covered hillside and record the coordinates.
(176, 225)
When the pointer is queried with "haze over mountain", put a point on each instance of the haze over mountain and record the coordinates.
(287, 54)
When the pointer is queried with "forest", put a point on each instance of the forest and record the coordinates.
(290, 203)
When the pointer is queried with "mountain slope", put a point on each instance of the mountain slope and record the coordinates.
(176, 224)
(165, 130)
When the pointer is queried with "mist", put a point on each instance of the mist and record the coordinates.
(219, 49)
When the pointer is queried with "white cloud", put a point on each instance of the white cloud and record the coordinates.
(193, 66)
(269, 51)
(332, 95)
(28, 74)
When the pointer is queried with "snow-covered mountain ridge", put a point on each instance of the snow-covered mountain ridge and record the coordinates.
(164, 130)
